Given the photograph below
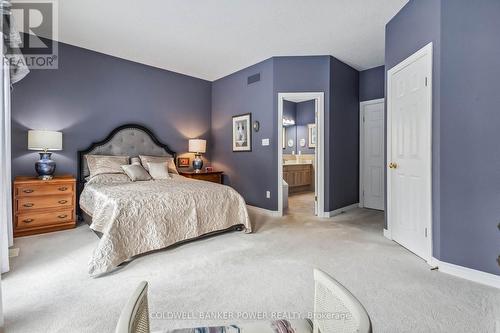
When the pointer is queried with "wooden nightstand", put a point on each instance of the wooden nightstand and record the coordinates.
(43, 205)
(209, 176)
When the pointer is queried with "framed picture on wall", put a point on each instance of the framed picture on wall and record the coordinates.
(183, 162)
(242, 132)
(311, 129)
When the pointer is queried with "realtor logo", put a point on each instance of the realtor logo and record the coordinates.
(36, 22)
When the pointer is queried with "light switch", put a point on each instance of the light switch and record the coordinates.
(265, 142)
(268, 194)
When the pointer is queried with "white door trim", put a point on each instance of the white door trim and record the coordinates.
(362, 146)
(425, 51)
(320, 147)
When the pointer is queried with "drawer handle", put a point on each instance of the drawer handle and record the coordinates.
(62, 216)
(29, 204)
(28, 220)
(62, 202)
(63, 188)
(28, 191)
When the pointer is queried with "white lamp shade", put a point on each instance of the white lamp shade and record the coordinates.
(41, 140)
(197, 146)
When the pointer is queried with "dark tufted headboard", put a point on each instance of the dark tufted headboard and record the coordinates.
(130, 140)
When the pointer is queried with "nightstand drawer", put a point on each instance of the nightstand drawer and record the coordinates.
(215, 178)
(43, 205)
(45, 189)
(209, 176)
(30, 203)
(30, 220)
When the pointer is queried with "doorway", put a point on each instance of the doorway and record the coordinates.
(409, 144)
(301, 153)
(371, 154)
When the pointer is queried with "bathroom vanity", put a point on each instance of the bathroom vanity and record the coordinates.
(298, 175)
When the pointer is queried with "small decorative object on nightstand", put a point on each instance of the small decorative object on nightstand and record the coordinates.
(183, 162)
(43, 205)
(198, 147)
(45, 140)
(209, 176)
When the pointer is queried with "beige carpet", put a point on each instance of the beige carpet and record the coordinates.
(48, 289)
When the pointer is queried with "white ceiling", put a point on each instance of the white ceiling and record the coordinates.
(213, 38)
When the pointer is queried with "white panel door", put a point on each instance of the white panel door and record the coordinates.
(373, 155)
(409, 153)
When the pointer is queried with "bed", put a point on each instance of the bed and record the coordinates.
(133, 218)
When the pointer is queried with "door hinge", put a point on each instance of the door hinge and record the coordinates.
(315, 198)
(426, 79)
(425, 232)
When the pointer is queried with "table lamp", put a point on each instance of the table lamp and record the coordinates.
(197, 146)
(45, 140)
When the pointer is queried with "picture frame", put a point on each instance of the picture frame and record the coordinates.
(312, 135)
(183, 162)
(242, 132)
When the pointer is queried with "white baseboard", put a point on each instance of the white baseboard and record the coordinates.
(341, 210)
(387, 234)
(272, 213)
(470, 274)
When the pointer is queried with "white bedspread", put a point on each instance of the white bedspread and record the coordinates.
(137, 217)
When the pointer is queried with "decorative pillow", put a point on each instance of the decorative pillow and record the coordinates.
(102, 164)
(136, 172)
(135, 160)
(158, 170)
(158, 159)
(108, 179)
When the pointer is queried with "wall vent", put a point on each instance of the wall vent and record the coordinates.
(253, 78)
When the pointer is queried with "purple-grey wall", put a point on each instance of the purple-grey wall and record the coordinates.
(416, 25)
(372, 84)
(469, 134)
(254, 173)
(465, 119)
(250, 173)
(305, 116)
(92, 93)
(344, 135)
(305, 74)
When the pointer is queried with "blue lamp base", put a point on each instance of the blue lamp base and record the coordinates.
(45, 167)
(197, 163)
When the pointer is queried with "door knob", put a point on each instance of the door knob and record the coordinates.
(393, 165)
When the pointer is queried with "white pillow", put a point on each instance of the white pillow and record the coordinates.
(135, 160)
(136, 172)
(158, 170)
(145, 159)
(108, 178)
(104, 164)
